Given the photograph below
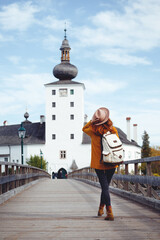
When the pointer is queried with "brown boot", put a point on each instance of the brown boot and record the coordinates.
(109, 216)
(101, 210)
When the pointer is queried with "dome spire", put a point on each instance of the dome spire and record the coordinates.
(65, 30)
(65, 70)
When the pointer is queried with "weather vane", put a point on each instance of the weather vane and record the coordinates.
(65, 30)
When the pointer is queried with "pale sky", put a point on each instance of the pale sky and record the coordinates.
(115, 45)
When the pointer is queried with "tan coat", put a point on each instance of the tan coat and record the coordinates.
(96, 148)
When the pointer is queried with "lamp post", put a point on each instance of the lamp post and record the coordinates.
(41, 154)
(21, 133)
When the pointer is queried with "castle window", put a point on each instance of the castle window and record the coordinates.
(62, 154)
(71, 104)
(72, 136)
(129, 154)
(53, 136)
(53, 117)
(6, 159)
(63, 92)
(71, 116)
(53, 92)
(53, 104)
(71, 91)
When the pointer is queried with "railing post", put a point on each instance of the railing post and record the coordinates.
(6, 174)
(118, 181)
(13, 182)
(21, 171)
(17, 172)
(0, 176)
(126, 172)
(136, 173)
(149, 174)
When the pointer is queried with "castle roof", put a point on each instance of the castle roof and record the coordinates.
(123, 137)
(35, 134)
(64, 82)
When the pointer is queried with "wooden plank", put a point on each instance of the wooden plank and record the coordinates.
(67, 209)
(141, 160)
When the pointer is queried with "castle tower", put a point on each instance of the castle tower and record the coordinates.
(64, 114)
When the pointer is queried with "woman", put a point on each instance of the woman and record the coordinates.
(95, 128)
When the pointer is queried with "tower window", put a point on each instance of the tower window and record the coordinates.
(71, 104)
(63, 92)
(71, 116)
(53, 104)
(72, 136)
(53, 136)
(53, 92)
(53, 117)
(62, 154)
(71, 91)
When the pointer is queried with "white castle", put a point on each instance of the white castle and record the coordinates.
(59, 134)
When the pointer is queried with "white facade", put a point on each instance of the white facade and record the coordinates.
(13, 153)
(131, 152)
(64, 122)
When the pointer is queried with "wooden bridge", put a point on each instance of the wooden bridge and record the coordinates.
(67, 209)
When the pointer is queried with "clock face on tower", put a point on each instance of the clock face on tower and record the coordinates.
(63, 92)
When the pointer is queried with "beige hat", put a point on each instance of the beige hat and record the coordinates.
(100, 116)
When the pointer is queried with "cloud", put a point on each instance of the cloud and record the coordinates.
(118, 56)
(14, 59)
(21, 90)
(51, 41)
(99, 86)
(118, 34)
(17, 16)
(152, 101)
(135, 27)
(80, 11)
(53, 23)
(4, 38)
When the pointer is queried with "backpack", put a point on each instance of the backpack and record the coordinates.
(112, 150)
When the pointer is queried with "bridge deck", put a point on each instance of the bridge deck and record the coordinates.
(66, 209)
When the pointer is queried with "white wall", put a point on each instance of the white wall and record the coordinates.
(15, 152)
(131, 152)
(63, 126)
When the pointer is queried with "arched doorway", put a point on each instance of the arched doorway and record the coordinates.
(62, 173)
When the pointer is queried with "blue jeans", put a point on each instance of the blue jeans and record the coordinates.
(105, 177)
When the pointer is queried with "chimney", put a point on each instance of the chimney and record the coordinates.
(135, 132)
(42, 119)
(5, 123)
(85, 118)
(128, 128)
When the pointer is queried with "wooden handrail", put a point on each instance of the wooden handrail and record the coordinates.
(13, 175)
(145, 185)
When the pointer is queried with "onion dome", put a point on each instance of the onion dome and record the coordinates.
(26, 116)
(65, 70)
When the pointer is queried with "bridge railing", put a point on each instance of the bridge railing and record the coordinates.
(148, 185)
(13, 175)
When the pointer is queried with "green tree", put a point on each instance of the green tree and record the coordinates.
(155, 151)
(145, 151)
(35, 161)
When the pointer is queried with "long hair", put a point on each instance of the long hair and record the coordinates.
(103, 128)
